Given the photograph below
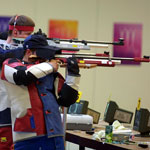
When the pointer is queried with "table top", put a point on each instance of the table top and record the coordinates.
(85, 140)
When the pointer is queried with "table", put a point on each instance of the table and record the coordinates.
(85, 140)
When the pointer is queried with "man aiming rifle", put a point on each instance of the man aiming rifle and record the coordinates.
(36, 90)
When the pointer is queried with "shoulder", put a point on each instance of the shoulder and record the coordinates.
(2, 41)
(4, 45)
(12, 61)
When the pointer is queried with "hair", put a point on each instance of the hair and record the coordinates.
(21, 20)
(4, 35)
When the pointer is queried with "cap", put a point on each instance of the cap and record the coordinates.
(40, 44)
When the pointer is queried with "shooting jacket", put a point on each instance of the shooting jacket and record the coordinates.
(35, 93)
(6, 51)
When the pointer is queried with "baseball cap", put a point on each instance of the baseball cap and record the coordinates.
(40, 44)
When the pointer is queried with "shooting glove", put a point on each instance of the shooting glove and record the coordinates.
(72, 66)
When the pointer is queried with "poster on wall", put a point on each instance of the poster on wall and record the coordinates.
(63, 29)
(4, 23)
(132, 35)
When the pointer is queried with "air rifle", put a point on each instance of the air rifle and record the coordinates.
(90, 60)
(76, 45)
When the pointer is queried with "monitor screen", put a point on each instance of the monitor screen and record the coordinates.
(94, 114)
(142, 122)
(148, 122)
(110, 111)
(123, 116)
(113, 112)
(78, 107)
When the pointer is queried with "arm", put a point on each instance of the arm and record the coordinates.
(69, 91)
(16, 53)
(67, 95)
(14, 71)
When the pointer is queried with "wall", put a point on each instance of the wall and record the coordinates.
(125, 83)
(96, 18)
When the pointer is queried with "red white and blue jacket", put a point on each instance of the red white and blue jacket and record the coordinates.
(6, 51)
(35, 96)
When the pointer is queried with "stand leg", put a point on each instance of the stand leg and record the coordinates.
(81, 148)
(64, 123)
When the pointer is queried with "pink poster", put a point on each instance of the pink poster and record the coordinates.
(132, 34)
(64, 29)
